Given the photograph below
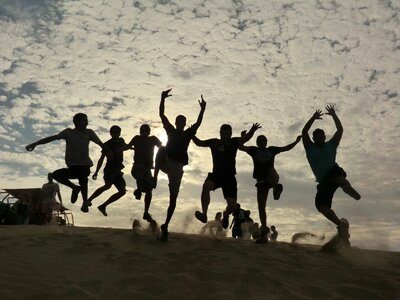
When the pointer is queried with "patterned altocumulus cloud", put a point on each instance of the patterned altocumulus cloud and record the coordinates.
(271, 62)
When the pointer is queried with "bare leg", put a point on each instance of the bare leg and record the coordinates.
(147, 201)
(171, 207)
(99, 191)
(347, 188)
(262, 194)
(330, 215)
(208, 186)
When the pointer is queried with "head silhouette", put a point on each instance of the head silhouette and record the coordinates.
(262, 141)
(218, 216)
(50, 177)
(80, 121)
(115, 131)
(273, 228)
(319, 137)
(180, 122)
(225, 132)
(145, 130)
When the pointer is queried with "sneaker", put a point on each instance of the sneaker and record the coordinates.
(89, 203)
(75, 193)
(277, 191)
(147, 217)
(164, 233)
(200, 216)
(225, 220)
(343, 229)
(137, 194)
(102, 209)
(84, 208)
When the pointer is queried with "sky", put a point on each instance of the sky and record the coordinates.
(272, 62)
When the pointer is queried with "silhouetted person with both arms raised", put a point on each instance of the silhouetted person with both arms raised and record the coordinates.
(321, 156)
(266, 176)
(223, 176)
(174, 157)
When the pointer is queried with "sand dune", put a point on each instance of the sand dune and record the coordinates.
(50, 262)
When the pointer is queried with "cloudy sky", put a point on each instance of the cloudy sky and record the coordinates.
(272, 62)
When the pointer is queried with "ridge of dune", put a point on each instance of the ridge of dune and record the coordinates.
(53, 262)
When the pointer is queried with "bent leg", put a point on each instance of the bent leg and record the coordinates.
(115, 197)
(99, 191)
(347, 188)
(62, 176)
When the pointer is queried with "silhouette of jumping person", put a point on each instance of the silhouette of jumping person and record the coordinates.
(76, 155)
(174, 157)
(321, 156)
(267, 177)
(223, 152)
(113, 174)
(142, 164)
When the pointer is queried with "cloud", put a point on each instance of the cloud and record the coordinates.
(264, 62)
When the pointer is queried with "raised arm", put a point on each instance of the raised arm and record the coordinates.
(246, 136)
(164, 119)
(198, 142)
(291, 145)
(243, 147)
(99, 164)
(339, 128)
(46, 140)
(203, 105)
(306, 138)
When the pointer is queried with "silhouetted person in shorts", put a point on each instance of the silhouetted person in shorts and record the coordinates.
(267, 177)
(223, 151)
(321, 156)
(174, 157)
(76, 155)
(144, 145)
(113, 174)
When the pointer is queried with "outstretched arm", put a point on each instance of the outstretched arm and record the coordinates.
(198, 142)
(99, 164)
(246, 136)
(339, 128)
(203, 104)
(165, 94)
(290, 146)
(306, 138)
(46, 140)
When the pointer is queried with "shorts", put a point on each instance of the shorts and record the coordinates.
(115, 177)
(73, 172)
(271, 180)
(327, 187)
(228, 184)
(144, 179)
(173, 169)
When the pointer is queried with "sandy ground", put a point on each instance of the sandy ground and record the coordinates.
(58, 262)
